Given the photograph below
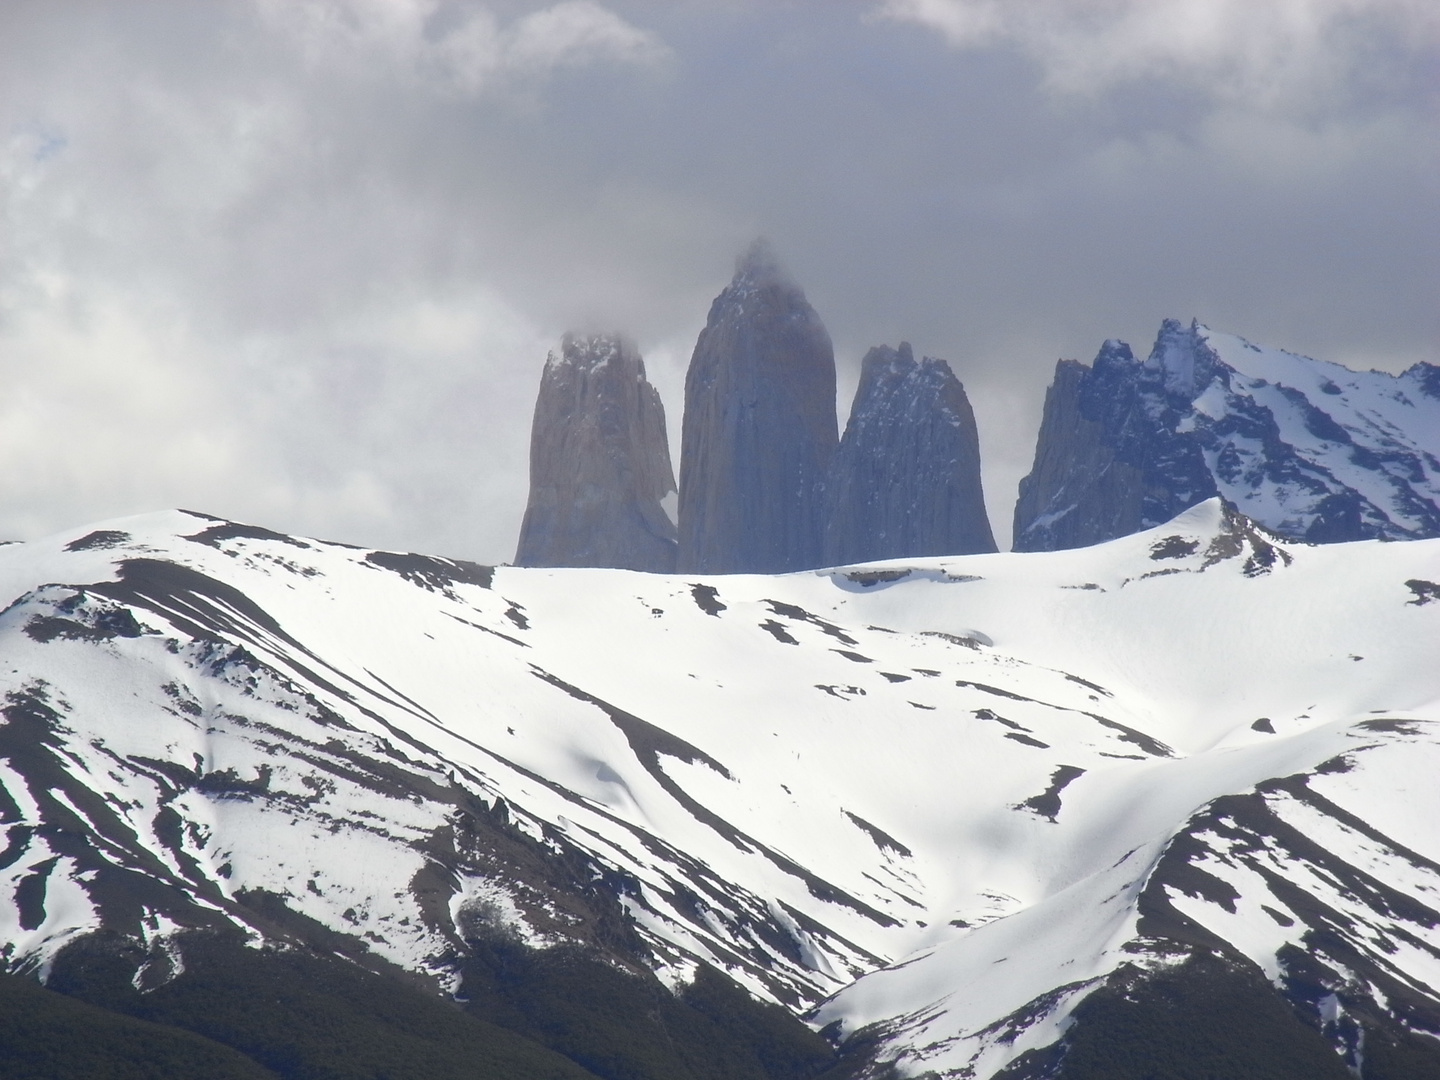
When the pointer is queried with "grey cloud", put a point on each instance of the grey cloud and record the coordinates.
(264, 269)
(453, 47)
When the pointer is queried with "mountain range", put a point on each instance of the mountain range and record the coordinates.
(1161, 806)
(1312, 450)
(767, 484)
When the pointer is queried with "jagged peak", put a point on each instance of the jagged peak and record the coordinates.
(1315, 450)
(1173, 345)
(1068, 368)
(898, 360)
(901, 358)
(1112, 352)
(1182, 357)
(592, 351)
(935, 366)
(1426, 375)
(897, 367)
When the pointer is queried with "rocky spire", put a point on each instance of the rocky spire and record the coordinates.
(906, 479)
(759, 429)
(599, 463)
(1078, 491)
(1312, 451)
(1113, 456)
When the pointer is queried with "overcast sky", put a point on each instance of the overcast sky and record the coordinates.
(299, 262)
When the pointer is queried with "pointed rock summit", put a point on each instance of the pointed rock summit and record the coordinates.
(1310, 450)
(759, 428)
(600, 467)
(1080, 490)
(906, 479)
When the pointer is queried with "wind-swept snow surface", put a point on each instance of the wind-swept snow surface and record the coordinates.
(939, 800)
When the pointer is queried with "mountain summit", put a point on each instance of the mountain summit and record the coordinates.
(599, 463)
(906, 479)
(759, 428)
(1312, 450)
(765, 484)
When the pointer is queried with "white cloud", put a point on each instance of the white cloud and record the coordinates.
(576, 32)
(105, 385)
(379, 428)
(459, 49)
(1264, 51)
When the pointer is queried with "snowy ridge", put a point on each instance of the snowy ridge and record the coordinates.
(1311, 450)
(1368, 435)
(937, 800)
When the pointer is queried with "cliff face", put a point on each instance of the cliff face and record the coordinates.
(1311, 450)
(759, 429)
(906, 478)
(599, 463)
(1089, 482)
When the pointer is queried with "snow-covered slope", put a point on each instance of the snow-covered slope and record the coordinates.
(1312, 450)
(1368, 433)
(937, 800)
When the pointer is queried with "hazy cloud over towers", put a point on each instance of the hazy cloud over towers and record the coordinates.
(301, 262)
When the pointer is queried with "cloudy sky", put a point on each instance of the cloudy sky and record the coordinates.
(299, 262)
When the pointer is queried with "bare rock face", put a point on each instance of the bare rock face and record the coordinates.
(599, 463)
(906, 479)
(1079, 491)
(1310, 450)
(759, 428)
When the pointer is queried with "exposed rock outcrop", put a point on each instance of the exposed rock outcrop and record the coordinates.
(1312, 451)
(1081, 490)
(906, 479)
(759, 428)
(599, 463)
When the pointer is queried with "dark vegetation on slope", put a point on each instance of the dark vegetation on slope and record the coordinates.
(306, 1018)
(1201, 1021)
(558, 1014)
(621, 1026)
(1210, 1019)
(1402, 1055)
(45, 1036)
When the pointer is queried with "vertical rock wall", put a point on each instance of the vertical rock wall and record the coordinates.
(906, 479)
(759, 428)
(599, 463)
(1312, 451)
(1113, 456)
(1078, 492)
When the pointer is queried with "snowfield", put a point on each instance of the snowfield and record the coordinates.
(1324, 429)
(939, 800)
